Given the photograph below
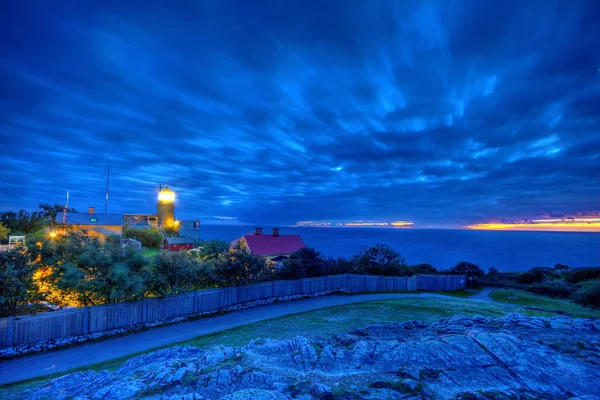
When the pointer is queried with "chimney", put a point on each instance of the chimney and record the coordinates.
(91, 210)
(275, 232)
(258, 231)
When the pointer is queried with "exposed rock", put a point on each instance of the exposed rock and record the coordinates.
(455, 358)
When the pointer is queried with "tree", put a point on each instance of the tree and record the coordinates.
(148, 237)
(493, 271)
(17, 289)
(380, 260)
(304, 263)
(48, 212)
(211, 250)
(466, 268)
(240, 267)
(3, 232)
(95, 272)
(22, 222)
(424, 269)
(178, 272)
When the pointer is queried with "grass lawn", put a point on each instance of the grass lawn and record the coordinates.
(324, 322)
(522, 298)
(461, 293)
(148, 252)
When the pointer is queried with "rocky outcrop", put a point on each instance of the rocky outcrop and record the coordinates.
(514, 357)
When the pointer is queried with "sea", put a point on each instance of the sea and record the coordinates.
(508, 251)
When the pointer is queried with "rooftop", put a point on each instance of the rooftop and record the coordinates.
(268, 245)
(91, 219)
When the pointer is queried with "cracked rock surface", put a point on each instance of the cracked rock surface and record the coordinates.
(513, 357)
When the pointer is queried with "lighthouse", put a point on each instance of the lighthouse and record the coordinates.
(165, 209)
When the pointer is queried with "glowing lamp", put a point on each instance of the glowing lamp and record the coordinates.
(53, 234)
(166, 196)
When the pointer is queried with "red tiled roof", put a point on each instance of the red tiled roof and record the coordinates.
(268, 245)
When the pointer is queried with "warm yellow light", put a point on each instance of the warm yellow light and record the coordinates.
(576, 225)
(166, 195)
(53, 234)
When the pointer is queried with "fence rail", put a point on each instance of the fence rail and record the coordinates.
(82, 321)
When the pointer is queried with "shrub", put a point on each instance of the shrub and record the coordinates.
(493, 271)
(304, 263)
(149, 237)
(581, 275)
(537, 274)
(466, 268)
(424, 269)
(553, 288)
(588, 294)
(379, 260)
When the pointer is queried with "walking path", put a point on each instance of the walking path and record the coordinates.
(41, 364)
(484, 295)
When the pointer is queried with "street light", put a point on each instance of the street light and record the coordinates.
(53, 234)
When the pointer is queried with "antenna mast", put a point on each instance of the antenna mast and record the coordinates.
(107, 181)
(64, 216)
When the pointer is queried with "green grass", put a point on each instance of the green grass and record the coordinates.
(522, 298)
(324, 322)
(461, 293)
(333, 320)
(148, 252)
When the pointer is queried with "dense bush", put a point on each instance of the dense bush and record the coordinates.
(588, 294)
(380, 260)
(581, 275)
(149, 237)
(466, 268)
(211, 250)
(240, 267)
(177, 272)
(17, 288)
(304, 263)
(537, 274)
(424, 269)
(552, 288)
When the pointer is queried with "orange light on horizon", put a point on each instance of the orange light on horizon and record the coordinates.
(556, 225)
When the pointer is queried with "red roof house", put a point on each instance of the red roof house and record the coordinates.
(274, 247)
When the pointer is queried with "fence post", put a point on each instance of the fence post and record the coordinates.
(304, 286)
(326, 283)
(86, 321)
(144, 316)
(238, 300)
(195, 305)
(9, 330)
(380, 279)
(348, 283)
(273, 289)
(365, 289)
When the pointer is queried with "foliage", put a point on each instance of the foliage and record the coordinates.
(94, 272)
(466, 268)
(48, 212)
(17, 289)
(380, 260)
(493, 272)
(177, 272)
(149, 237)
(211, 250)
(304, 263)
(3, 232)
(581, 274)
(588, 294)
(537, 274)
(22, 222)
(552, 287)
(240, 267)
(561, 267)
(424, 269)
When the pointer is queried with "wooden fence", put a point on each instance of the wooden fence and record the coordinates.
(87, 320)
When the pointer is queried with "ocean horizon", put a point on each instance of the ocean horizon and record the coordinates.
(509, 251)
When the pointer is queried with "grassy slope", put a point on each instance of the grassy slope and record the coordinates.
(323, 322)
(148, 252)
(522, 298)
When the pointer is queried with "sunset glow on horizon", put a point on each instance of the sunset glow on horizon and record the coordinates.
(555, 224)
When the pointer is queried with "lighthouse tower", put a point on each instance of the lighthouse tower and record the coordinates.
(165, 209)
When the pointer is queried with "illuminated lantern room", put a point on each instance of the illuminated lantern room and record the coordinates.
(165, 209)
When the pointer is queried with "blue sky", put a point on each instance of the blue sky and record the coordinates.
(440, 112)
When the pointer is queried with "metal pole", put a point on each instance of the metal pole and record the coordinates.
(107, 180)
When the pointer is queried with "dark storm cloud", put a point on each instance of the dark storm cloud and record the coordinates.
(442, 112)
